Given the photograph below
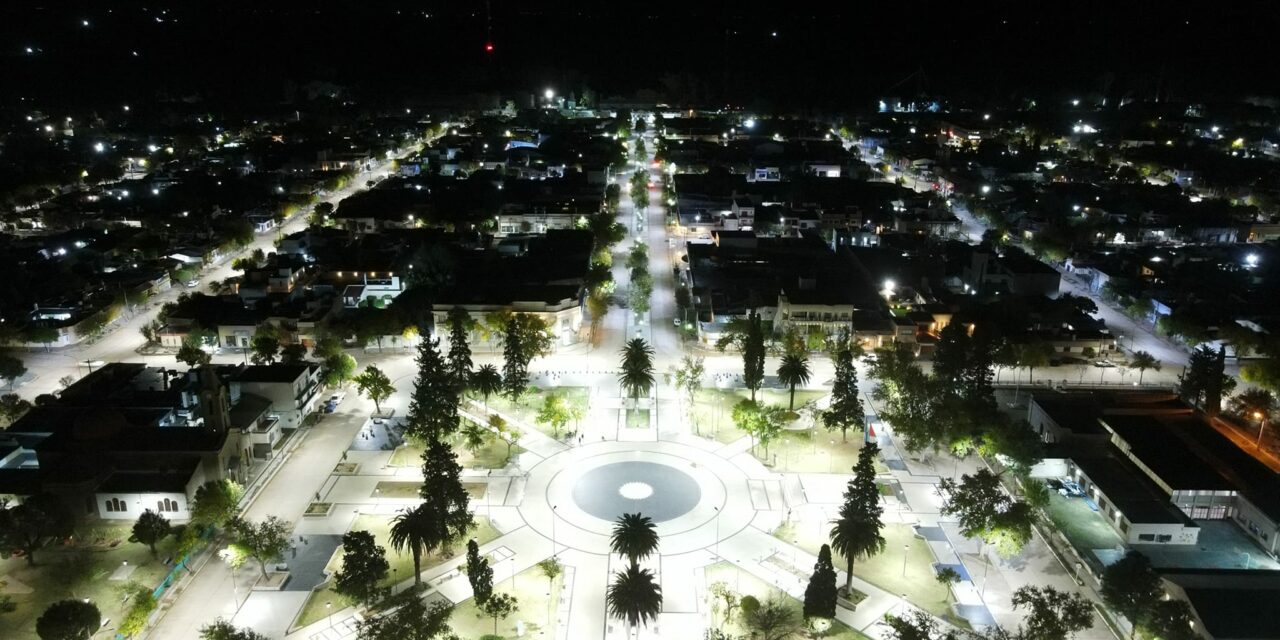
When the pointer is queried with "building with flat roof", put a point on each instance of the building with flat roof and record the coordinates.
(1154, 466)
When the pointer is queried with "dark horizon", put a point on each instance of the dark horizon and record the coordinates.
(823, 56)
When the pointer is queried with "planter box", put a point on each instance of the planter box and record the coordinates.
(319, 510)
(274, 581)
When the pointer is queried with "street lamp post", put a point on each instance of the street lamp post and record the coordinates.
(1262, 424)
(905, 549)
(328, 607)
(554, 548)
(717, 532)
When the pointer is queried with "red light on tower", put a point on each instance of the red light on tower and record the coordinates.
(488, 47)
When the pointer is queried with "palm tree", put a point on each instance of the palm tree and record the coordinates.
(487, 381)
(637, 367)
(1142, 361)
(413, 529)
(635, 537)
(473, 437)
(634, 597)
(794, 370)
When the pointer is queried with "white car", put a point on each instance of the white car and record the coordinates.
(191, 284)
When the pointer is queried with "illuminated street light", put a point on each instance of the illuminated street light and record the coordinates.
(1251, 260)
(99, 147)
(749, 123)
(549, 94)
(986, 188)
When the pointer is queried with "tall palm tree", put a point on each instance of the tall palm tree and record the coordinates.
(635, 537)
(637, 367)
(1142, 361)
(413, 529)
(487, 381)
(634, 597)
(794, 370)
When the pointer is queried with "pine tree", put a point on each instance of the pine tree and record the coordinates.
(433, 408)
(753, 353)
(820, 595)
(443, 496)
(856, 532)
(515, 368)
(459, 348)
(479, 573)
(846, 410)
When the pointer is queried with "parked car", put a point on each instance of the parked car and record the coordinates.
(334, 400)
(191, 284)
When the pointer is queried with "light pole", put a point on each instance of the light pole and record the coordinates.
(905, 549)
(1262, 424)
(328, 607)
(717, 532)
(554, 548)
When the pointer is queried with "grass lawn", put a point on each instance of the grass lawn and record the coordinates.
(410, 489)
(533, 597)
(79, 570)
(526, 409)
(745, 584)
(493, 455)
(885, 570)
(1084, 528)
(637, 418)
(402, 563)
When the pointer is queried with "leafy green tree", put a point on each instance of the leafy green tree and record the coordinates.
(1142, 361)
(69, 620)
(554, 413)
(30, 526)
(1255, 404)
(479, 573)
(498, 606)
(1170, 620)
(636, 375)
(338, 369)
(413, 620)
(40, 334)
(820, 595)
(985, 511)
(460, 326)
(364, 566)
(433, 407)
(11, 369)
(855, 532)
(444, 498)
(375, 384)
(634, 596)
(634, 537)
(135, 619)
(762, 423)
(688, 377)
(216, 502)
(486, 381)
(414, 530)
(223, 630)
(192, 355)
(1051, 614)
(13, 407)
(293, 353)
(149, 529)
(793, 371)
(265, 344)
(774, 620)
(262, 542)
(725, 597)
(918, 625)
(1131, 587)
(846, 410)
(551, 568)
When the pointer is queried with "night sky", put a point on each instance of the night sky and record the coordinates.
(825, 55)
